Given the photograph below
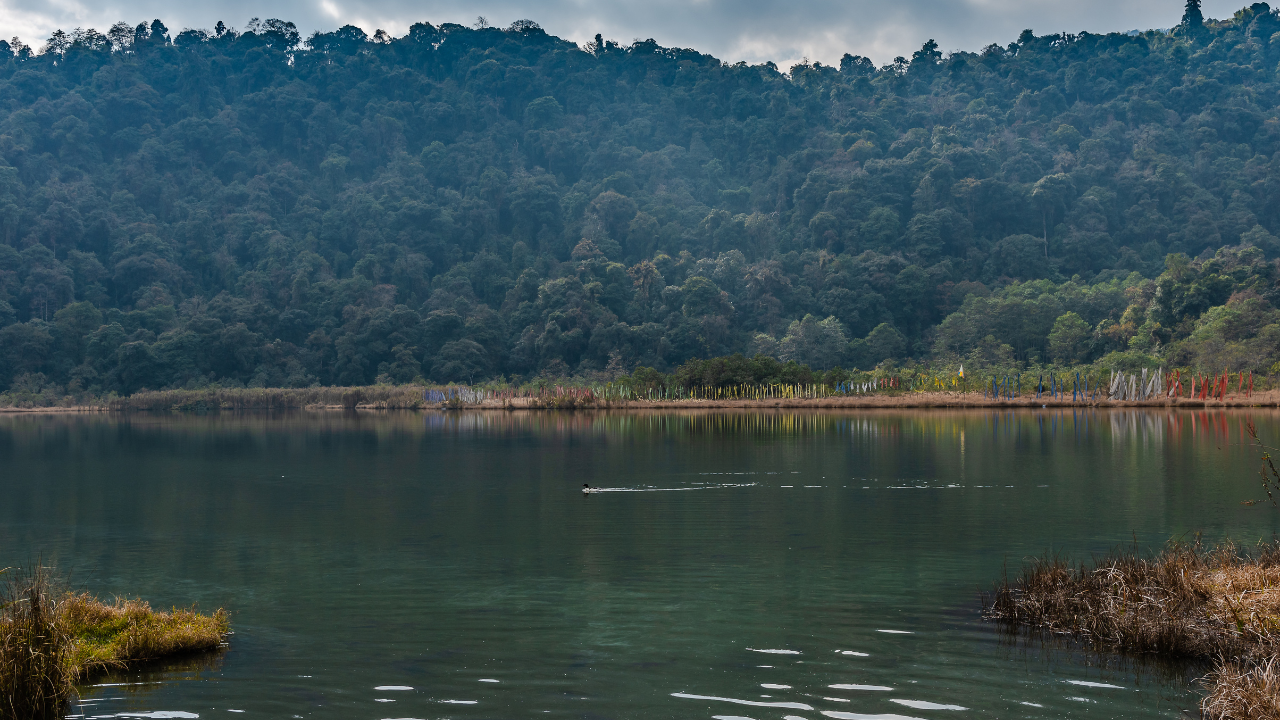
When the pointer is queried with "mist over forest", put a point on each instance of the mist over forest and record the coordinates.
(181, 209)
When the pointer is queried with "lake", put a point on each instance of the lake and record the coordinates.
(784, 564)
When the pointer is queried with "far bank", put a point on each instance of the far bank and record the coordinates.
(416, 397)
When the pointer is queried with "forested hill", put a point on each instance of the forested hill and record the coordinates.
(185, 208)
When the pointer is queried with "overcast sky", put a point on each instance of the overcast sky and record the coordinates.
(732, 30)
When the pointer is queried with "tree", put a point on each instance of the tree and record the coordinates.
(885, 343)
(459, 361)
(818, 344)
(1051, 194)
(74, 323)
(121, 37)
(1017, 257)
(927, 57)
(57, 43)
(542, 112)
(24, 348)
(616, 212)
(280, 33)
(1069, 339)
(524, 27)
(1192, 18)
(702, 297)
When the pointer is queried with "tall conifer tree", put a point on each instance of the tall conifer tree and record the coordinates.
(1192, 18)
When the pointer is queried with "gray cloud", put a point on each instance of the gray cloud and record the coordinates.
(750, 30)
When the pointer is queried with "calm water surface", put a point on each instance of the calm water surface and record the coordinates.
(767, 566)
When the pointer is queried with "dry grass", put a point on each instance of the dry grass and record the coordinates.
(1185, 602)
(908, 400)
(1219, 604)
(49, 641)
(34, 678)
(410, 397)
(1243, 692)
(388, 397)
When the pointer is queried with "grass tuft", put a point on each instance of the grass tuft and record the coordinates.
(1187, 601)
(1243, 692)
(127, 632)
(1217, 604)
(51, 640)
(34, 678)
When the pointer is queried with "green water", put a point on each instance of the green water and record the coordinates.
(736, 558)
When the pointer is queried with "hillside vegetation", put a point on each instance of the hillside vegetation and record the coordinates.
(196, 208)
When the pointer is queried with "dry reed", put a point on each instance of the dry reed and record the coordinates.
(1218, 604)
(387, 397)
(34, 678)
(410, 397)
(50, 640)
(1187, 601)
(1242, 692)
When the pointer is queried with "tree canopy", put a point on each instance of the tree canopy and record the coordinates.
(252, 208)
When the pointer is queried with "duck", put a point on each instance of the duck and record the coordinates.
(587, 489)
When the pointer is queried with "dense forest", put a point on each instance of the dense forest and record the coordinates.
(254, 208)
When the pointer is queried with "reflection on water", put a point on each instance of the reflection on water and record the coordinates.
(448, 562)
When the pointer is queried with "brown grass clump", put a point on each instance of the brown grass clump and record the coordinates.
(1185, 602)
(49, 641)
(1241, 692)
(1217, 604)
(34, 679)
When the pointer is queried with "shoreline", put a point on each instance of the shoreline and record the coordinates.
(914, 401)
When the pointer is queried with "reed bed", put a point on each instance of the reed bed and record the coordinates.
(35, 678)
(1218, 604)
(607, 395)
(51, 640)
(388, 397)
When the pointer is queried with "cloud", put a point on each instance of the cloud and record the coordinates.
(732, 30)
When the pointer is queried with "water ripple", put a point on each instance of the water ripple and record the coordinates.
(753, 703)
(841, 715)
(926, 705)
(845, 686)
(1086, 683)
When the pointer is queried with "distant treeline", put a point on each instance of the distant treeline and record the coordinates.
(231, 208)
(732, 377)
